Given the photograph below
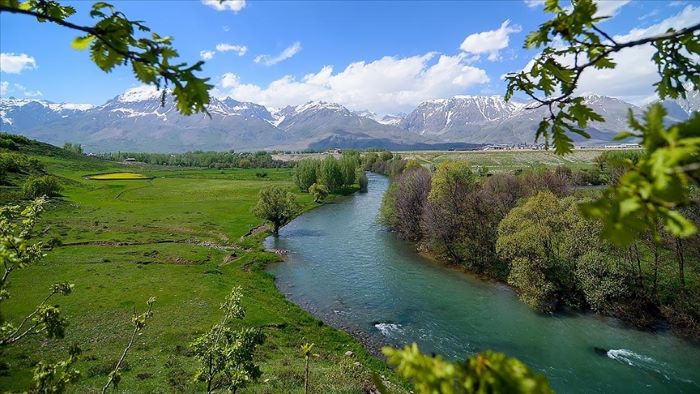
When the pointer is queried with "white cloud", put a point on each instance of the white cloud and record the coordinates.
(224, 47)
(609, 8)
(239, 49)
(633, 78)
(207, 55)
(490, 42)
(15, 63)
(635, 73)
(534, 3)
(287, 53)
(231, 5)
(15, 89)
(605, 7)
(386, 85)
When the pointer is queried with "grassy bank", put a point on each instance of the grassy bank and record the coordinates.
(178, 237)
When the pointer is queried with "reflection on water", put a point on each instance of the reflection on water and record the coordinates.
(349, 271)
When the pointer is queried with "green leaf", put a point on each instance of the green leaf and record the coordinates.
(80, 43)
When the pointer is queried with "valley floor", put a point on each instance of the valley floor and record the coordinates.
(180, 238)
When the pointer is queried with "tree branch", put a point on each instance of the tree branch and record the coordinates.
(616, 47)
(114, 372)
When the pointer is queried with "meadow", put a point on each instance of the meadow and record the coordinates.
(498, 160)
(180, 237)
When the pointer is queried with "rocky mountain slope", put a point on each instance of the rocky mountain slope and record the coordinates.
(136, 121)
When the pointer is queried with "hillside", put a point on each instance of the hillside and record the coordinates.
(178, 235)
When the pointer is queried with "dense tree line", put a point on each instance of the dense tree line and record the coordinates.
(231, 159)
(330, 175)
(526, 229)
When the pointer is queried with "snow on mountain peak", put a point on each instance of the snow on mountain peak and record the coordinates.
(318, 105)
(140, 93)
(58, 107)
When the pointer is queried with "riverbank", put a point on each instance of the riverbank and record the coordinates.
(525, 229)
(348, 271)
(113, 232)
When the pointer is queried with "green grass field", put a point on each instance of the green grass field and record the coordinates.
(497, 161)
(176, 237)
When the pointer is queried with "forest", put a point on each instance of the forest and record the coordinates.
(525, 228)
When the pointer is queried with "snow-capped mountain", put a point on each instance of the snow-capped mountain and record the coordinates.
(136, 121)
(389, 119)
(442, 115)
(31, 113)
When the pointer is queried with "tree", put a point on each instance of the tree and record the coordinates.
(319, 191)
(75, 148)
(571, 43)
(487, 372)
(348, 163)
(540, 240)
(362, 180)
(412, 188)
(17, 251)
(114, 40)
(306, 173)
(225, 354)
(658, 185)
(139, 322)
(276, 205)
(305, 351)
(443, 219)
(330, 174)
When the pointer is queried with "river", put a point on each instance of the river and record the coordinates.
(346, 269)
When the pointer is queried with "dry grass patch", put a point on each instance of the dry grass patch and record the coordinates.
(119, 176)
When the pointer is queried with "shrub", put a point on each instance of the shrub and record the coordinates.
(362, 180)
(37, 186)
(6, 143)
(319, 191)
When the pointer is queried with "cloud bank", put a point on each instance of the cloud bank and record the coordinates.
(385, 85)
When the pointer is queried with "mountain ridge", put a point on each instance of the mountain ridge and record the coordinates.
(136, 120)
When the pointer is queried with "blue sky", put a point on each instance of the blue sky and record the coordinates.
(382, 56)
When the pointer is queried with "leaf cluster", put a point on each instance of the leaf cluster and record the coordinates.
(226, 354)
(570, 43)
(487, 372)
(652, 190)
(114, 40)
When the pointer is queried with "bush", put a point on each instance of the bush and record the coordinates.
(37, 186)
(362, 180)
(319, 191)
(6, 143)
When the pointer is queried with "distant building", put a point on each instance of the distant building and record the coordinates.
(623, 146)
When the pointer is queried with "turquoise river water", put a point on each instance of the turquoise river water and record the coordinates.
(346, 269)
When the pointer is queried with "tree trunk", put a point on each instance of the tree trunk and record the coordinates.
(306, 376)
(640, 278)
(275, 228)
(681, 262)
(656, 270)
